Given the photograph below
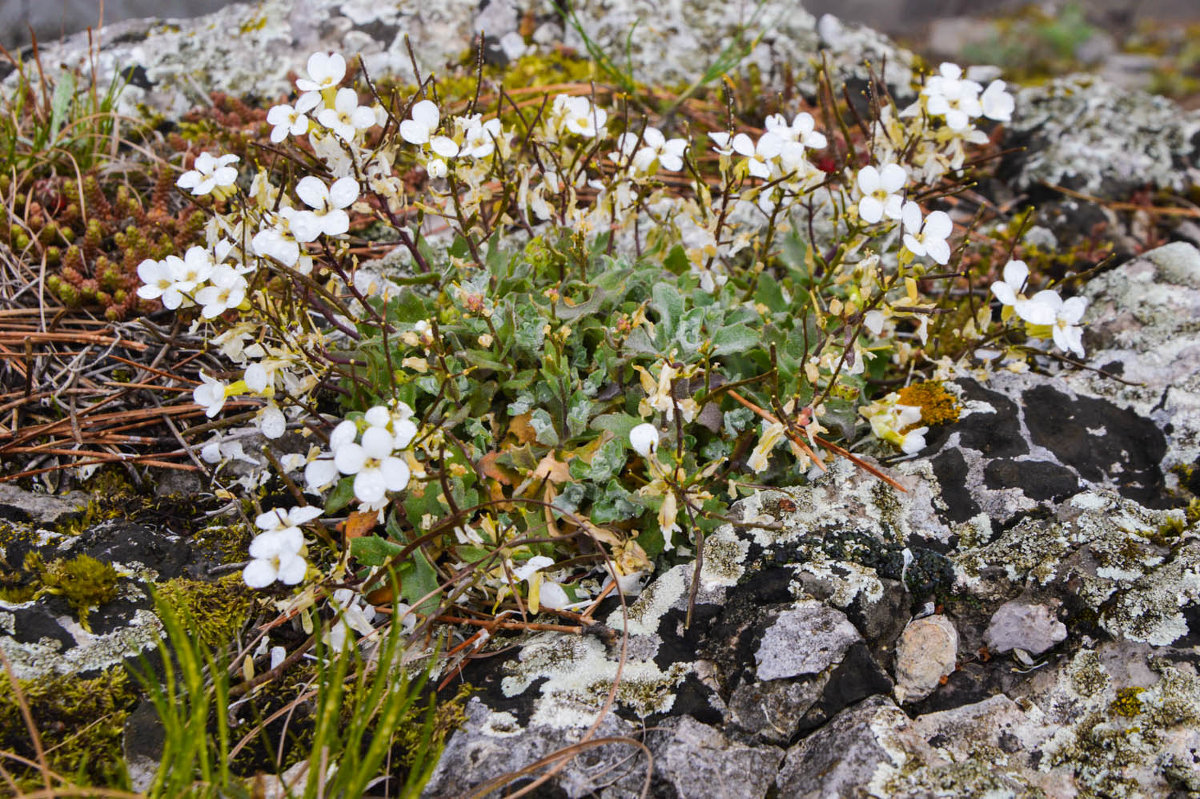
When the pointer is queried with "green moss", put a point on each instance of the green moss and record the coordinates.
(214, 612)
(83, 581)
(81, 724)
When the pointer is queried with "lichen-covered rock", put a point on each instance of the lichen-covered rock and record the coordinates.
(1143, 328)
(1026, 442)
(1092, 136)
(1026, 626)
(249, 49)
(841, 758)
(1120, 564)
(805, 639)
(927, 652)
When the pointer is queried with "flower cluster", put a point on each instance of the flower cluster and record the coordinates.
(1046, 314)
(565, 344)
(277, 553)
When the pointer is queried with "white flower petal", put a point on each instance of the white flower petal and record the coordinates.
(259, 573)
(350, 458)
(370, 485)
(395, 474)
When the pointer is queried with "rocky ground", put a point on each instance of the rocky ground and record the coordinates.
(1021, 621)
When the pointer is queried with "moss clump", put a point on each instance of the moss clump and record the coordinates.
(83, 581)
(213, 612)
(81, 723)
(938, 406)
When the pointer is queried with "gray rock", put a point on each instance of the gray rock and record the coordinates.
(697, 760)
(490, 745)
(1098, 138)
(1022, 625)
(773, 710)
(807, 639)
(19, 505)
(250, 48)
(927, 652)
(1142, 327)
(841, 758)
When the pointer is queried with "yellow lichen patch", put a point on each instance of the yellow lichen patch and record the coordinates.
(1127, 703)
(938, 406)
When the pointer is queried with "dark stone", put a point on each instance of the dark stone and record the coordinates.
(950, 468)
(486, 674)
(135, 75)
(1040, 480)
(1125, 448)
(38, 621)
(996, 435)
(854, 679)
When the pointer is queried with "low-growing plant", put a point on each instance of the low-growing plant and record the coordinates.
(594, 334)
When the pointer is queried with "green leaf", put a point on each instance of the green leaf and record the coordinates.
(418, 579)
(543, 428)
(578, 413)
(734, 339)
(669, 304)
(408, 307)
(64, 93)
(677, 262)
(608, 460)
(769, 293)
(485, 360)
(342, 496)
(586, 308)
(619, 424)
(372, 550)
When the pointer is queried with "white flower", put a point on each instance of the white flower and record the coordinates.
(800, 131)
(278, 242)
(227, 290)
(347, 117)
(914, 441)
(950, 96)
(396, 421)
(275, 555)
(291, 119)
(354, 614)
(209, 395)
(1008, 290)
(927, 237)
(644, 439)
(325, 70)
(376, 470)
(158, 283)
(721, 140)
(1063, 316)
(881, 192)
(997, 103)
(424, 121)
(209, 173)
(758, 155)
(271, 420)
(580, 116)
(796, 137)
(286, 521)
(327, 216)
(480, 138)
(655, 148)
(322, 472)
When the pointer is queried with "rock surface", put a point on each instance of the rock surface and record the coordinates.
(1019, 625)
(927, 653)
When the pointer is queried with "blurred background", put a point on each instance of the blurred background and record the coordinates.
(1150, 44)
